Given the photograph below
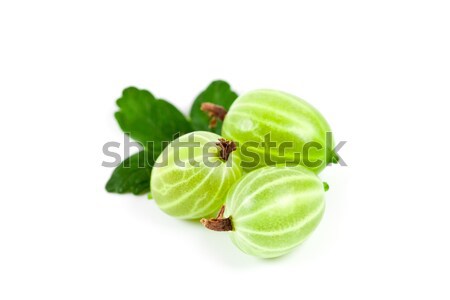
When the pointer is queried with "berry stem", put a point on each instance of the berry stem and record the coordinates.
(219, 223)
(226, 147)
(215, 112)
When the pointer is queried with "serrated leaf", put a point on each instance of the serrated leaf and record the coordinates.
(147, 119)
(218, 92)
(133, 174)
(152, 122)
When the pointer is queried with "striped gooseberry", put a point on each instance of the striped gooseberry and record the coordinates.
(274, 127)
(192, 175)
(270, 211)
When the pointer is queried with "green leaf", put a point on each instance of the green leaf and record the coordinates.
(218, 92)
(147, 119)
(152, 122)
(133, 174)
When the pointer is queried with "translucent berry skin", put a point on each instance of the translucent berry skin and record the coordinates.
(287, 119)
(189, 191)
(274, 209)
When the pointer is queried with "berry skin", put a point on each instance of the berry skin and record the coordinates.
(271, 210)
(288, 119)
(188, 191)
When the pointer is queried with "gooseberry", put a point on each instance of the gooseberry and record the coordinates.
(192, 175)
(270, 211)
(274, 127)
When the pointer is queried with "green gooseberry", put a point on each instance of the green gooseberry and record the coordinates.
(270, 211)
(192, 175)
(274, 127)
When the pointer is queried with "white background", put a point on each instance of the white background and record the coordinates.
(378, 70)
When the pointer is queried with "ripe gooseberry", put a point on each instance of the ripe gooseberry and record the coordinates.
(271, 210)
(274, 127)
(192, 175)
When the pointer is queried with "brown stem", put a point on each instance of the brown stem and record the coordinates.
(215, 112)
(219, 223)
(226, 147)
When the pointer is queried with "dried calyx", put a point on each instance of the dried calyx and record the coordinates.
(215, 112)
(226, 147)
(219, 223)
